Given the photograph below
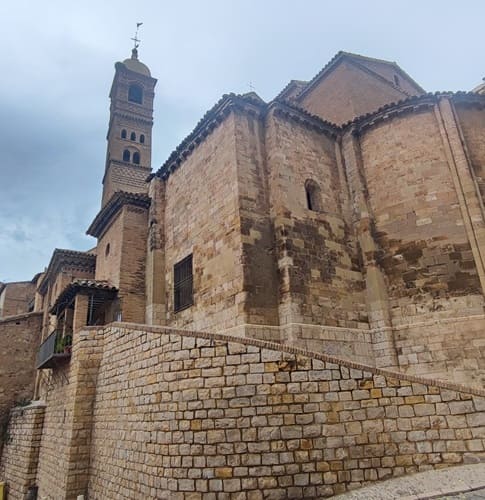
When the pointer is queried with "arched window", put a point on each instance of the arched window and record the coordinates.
(396, 81)
(133, 136)
(313, 196)
(142, 139)
(123, 134)
(136, 158)
(135, 94)
(126, 155)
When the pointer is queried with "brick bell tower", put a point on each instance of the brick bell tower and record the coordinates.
(129, 151)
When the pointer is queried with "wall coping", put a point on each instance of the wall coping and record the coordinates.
(291, 350)
(7, 319)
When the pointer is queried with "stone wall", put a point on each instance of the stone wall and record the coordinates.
(201, 218)
(18, 467)
(19, 343)
(178, 413)
(319, 270)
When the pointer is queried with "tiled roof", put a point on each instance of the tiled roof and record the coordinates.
(356, 58)
(70, 291)
(61, 257)
(114, 204)
(410, 104)
(292, 84)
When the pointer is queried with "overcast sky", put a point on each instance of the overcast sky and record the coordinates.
(58, 62)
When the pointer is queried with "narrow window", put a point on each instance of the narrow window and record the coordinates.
(107, 250)
(313, 197)
(135, 94)
(142, 139)
(123, 134)
(396, 80)
(133, 136)
(126, 155)
(136, 158)
(183, 281)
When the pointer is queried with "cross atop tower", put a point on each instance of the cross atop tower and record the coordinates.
(136, 42)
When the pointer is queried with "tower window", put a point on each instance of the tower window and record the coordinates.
(107, 250)
(126, 155)
(133, 136)
(135, 94)
(183, 293)
(123, 134)
(313, 196)
(396, 81)
(136, 158)
(142, 139)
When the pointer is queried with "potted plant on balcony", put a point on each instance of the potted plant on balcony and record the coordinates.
(67, 344)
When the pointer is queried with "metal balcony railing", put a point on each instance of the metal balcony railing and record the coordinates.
(54, 350)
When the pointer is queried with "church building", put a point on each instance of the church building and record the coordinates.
(345, 217)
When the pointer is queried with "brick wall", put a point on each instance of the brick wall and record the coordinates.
(18, 467)
(19, 343)
(15, 298)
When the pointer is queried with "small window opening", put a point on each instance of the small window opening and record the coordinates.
(396, 81)
(183, 294)
(313, 198)
(107, 250)
(126, 155)
(136, 158)
(133, 136)
(135, 94)
(123, 134)
(142, 139)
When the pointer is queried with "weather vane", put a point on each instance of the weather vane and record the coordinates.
(136, 40)
(251, 87)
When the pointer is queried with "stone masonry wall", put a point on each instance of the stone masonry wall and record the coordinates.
(19, 343)
(472, 121)
(18, 467)
(427, 257)
(201, 218)
(180, 414)
(319, 269)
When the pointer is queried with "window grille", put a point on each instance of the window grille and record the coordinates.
(183, 284)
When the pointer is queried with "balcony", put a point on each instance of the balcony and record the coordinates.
(54, 351)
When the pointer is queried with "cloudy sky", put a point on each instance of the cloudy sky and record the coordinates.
(58, 60)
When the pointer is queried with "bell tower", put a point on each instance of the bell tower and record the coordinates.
(128, 155)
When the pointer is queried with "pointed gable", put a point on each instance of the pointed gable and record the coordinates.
(352, 85)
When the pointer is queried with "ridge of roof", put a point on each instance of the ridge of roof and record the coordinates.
(291, 83)
(205, 126)
(117, 200)
(339, 56)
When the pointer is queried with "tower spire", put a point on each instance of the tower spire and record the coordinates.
(136, 42)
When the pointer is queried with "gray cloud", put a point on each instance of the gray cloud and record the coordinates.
(57, 67)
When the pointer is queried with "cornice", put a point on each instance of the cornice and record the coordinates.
(249, 103)
(298, 115)
(61, 258)
(114, 205)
